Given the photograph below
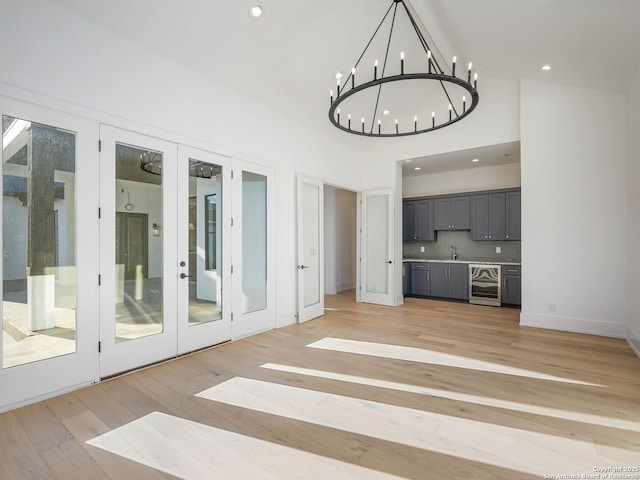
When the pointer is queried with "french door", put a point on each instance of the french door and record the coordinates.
(165, 243)
(204, 246)
(50, 246)
(377, 247)
(138, 250)
(253, 247)
(310, 248)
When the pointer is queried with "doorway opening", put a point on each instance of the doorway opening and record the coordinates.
(340, 241)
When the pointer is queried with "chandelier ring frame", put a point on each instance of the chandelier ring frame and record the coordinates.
(440, 77)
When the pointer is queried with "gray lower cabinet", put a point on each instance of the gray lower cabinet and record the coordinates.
(420, 279)
(406, 278)
(511, 285)
(450, 280)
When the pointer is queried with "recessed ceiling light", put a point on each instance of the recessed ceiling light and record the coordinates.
(475, 160)
(546, 68)
(417, 168)
(386, 112)
(255, 11)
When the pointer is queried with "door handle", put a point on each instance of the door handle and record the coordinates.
(302, 267)
(184, 275)
(390, 261)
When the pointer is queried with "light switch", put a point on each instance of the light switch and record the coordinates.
(498, 250)
(421, 249)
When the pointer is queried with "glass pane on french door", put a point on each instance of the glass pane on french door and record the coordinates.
(205, 242)
(254, 242)
(138, 245)
(39, 241)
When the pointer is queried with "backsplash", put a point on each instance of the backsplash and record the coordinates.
(466, 248)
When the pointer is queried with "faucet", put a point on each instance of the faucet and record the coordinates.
(454, 255)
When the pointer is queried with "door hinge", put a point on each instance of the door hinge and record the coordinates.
(231, 174)
(99, 145)
(99, 347)
(99, 279)
(232, 221)
(99, 212)
(232, 316)
(231, 269)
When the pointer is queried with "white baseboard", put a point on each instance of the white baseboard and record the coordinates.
(285, 319)
(341, 287)
(633, 338)
(577, 325)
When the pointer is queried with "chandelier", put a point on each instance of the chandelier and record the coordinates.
(151, 162)
(419, 99)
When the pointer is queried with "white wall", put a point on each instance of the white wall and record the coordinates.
(470, 180)
(573, 154)
(633, 213)
(109, 79)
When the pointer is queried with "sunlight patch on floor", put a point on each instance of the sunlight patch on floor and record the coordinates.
(464, 397)
(520, 450)
(413, 354)
(194, 451)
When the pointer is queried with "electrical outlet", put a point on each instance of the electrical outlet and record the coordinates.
(421, 249)
(498, 250)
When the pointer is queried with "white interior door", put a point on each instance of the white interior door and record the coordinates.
(49, 242)
(377, 252)
(310, 248)
(253, 274)
(138, 250)
(204, 246)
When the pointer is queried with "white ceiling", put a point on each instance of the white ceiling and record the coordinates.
(288, 58)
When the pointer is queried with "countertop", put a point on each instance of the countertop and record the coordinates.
(462, 260)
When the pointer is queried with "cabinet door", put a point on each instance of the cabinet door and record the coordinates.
(479, 205)
(406, 277)
(513, 215)
(511, 289)
(420, 282)
(439, 280)
(458, 276)
(497, 216)
(408, 221)
(460, 213)
(442, 207)
(424, 221)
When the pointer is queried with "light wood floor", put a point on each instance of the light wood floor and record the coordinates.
(429, 390)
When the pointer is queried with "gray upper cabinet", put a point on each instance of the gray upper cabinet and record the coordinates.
(488, 216)
(496, 216)
(452, 213)
(513, 215)
(417, 221)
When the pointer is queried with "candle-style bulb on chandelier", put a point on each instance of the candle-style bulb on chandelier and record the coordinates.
(453, 97)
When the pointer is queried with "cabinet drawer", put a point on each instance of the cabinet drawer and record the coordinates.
(511, 269)
(420, 266)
